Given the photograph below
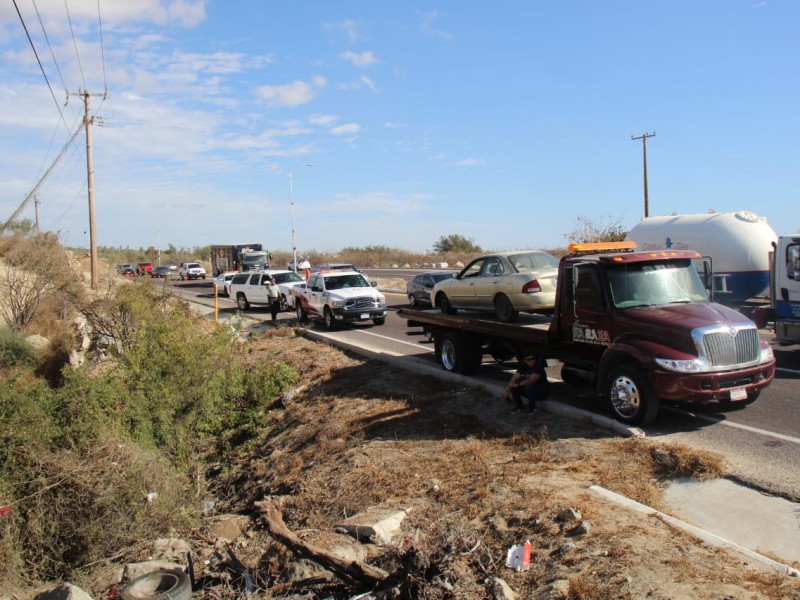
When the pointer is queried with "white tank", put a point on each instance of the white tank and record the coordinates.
(738, 243)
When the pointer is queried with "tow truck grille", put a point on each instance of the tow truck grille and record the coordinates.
(731, 346)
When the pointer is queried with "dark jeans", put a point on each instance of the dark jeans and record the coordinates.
(274, 305)
(532, 392)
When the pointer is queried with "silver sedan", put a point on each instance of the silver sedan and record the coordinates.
(505, 283)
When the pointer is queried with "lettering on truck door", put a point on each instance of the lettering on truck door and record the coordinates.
(586, 320)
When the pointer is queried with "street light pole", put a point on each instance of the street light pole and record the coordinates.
(294, 245)
(291, 201)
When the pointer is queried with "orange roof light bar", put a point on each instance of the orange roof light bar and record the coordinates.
(602, 247)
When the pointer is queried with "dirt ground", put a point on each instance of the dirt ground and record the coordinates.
(475, 480)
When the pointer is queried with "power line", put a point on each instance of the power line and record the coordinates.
(36, 54)
(52, 52)
(75, 44)
(102, 52)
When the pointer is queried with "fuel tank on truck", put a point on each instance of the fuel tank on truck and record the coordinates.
(738, 243)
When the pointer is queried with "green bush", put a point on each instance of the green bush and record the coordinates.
(14, 350)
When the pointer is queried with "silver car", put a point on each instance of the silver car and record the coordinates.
(505, 283)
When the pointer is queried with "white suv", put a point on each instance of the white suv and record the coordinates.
(191, 270)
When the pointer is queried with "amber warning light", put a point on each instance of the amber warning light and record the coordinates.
(602, 247)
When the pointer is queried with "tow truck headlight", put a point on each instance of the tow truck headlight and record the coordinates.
(695, 365)
(766, 354)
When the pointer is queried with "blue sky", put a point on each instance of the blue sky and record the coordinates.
(500, 121)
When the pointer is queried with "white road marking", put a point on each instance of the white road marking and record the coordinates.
(764, 432)
(795, 371)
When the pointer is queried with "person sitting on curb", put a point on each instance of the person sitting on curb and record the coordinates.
(530, 381)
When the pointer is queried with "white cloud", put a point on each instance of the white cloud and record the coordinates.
(370, 84)
(322, 119)
(349, 27)
(290, 94)
(348, 129)
(363, 59)
(428, 26)
(385, 203)
(471, 162)
(393, 125)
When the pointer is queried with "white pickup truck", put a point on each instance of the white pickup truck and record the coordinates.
(248, 288)
(339, 297)
(191, 270)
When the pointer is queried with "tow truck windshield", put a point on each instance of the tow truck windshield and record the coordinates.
(655, 284)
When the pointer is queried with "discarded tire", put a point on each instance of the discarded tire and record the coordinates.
(172, 584)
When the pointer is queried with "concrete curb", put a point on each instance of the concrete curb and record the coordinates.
(702, 534)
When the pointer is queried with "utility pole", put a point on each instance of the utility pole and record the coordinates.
(87, 121)
(36, 209)
(644, 137)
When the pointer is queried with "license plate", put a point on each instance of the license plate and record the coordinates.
(738, 394)
(365, 315)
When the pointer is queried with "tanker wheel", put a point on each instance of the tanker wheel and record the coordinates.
(458, 354)
(631, 399)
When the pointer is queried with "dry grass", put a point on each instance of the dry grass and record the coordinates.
(475, 482)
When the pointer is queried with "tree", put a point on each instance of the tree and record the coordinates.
(604, 229)
(35, 268)
(456, 243)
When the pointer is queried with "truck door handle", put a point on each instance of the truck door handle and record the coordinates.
(784, 294)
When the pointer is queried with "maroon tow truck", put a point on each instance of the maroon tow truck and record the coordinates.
(637, 327)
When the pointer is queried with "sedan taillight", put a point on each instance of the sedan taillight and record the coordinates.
(531, 287)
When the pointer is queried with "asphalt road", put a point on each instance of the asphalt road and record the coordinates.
(760, 441)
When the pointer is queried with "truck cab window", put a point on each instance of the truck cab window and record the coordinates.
(588, 291)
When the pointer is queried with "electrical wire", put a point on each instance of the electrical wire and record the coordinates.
(75, 43)
(102, 52)
(52, 52)
(36, 54)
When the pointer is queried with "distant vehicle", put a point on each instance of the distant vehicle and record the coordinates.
(161, 272)
(420, 287)
(144, 268)
(191, 270)
(302, 265)
(335, 267)
(505, 283)
(222, 283)
(126, 269)
(238, 257)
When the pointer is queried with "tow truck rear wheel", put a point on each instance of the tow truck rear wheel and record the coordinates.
(630, 397)
(327, 317)
(458, 354)
(241, 301)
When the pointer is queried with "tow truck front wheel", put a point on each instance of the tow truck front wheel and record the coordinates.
(630, 396)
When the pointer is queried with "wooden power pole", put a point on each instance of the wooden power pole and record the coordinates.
(644, 137)
(87, 121)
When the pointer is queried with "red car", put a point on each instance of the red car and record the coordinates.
(144, 268)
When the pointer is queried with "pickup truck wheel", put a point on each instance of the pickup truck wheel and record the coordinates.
(241, 301)
(443, 304)
(630, 396)
(327, 317)
(504, 309)
(282, 304)
(458, 354)
(379, 320)
(301, 314)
